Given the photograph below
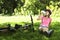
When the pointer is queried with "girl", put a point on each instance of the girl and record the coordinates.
(45, 20)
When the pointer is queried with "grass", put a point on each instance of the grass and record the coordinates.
(27, 35)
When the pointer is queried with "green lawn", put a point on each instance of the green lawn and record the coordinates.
(27, 35)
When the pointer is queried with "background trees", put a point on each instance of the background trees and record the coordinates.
(24, 7)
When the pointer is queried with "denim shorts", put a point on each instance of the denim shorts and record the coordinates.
(42, 26)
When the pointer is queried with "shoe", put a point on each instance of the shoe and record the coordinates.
(50, 32)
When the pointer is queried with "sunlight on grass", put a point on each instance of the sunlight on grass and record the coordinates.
(17, 19)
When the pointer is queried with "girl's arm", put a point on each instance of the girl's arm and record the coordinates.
(50, 22)
(40, 17)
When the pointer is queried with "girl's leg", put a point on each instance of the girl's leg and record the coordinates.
(40, 28)
(45, 29)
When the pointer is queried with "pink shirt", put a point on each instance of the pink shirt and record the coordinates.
(45, 21)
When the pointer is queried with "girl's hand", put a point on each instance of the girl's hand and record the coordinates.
(38, 18)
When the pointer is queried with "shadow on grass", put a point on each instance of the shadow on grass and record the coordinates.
(32, 35)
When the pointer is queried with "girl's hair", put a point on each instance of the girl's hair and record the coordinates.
(48, 11)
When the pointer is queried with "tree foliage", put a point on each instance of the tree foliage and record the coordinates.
(25, 7)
